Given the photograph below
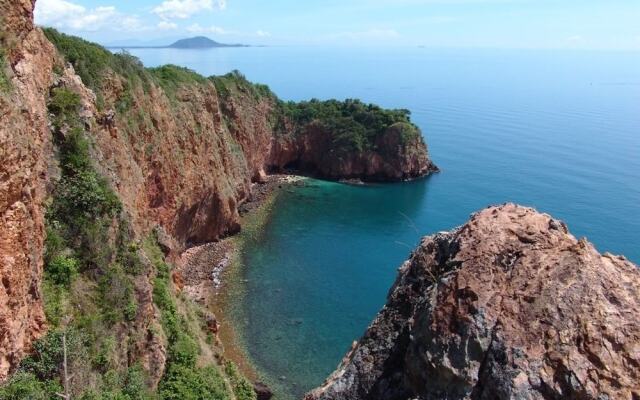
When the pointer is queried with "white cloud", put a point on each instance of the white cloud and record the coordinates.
(64, 14)
(262, 33)
(197, 28)
(167, 26)
(183, 9)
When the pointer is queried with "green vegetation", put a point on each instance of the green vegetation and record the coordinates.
(235, 82)
(408, 131)
(353, 124)
(184, 379)
(92, 62)
(91, 264)
(242, 388)
(26, 386)
(171, 77)
(5, 83)
(88, 59)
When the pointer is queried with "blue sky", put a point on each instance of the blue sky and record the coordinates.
(581, 24)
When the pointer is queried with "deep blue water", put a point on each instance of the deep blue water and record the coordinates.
(557, 130)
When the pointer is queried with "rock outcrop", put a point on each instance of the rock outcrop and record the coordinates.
(508, 306)
(393, 156)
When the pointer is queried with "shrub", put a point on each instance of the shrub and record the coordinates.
(135, 387)
(242, 388)
(183, 351)
(89, 60)
(64, 104)
(62, 269)
(45, 362)
(235, 82)
(26, 386)
(5, 83)
(81, 191)
(184, 383)
(172, 77)
(55, 301)
(116, 292)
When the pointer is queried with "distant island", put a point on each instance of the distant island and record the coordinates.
(201, 42)
(198, 42)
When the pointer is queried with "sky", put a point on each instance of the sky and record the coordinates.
(544, 24)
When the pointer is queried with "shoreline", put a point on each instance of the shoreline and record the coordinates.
(211, 274)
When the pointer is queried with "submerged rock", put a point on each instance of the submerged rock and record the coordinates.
(508, 306)
(262, 391)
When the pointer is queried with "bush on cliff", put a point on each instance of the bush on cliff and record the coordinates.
(235, 82)
(5, 83)
(24, 385)
(172, 77)
(92, 62)
(184, 379)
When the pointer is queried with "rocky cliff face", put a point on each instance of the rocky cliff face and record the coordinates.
(178, 150)
(508, 306)
(25, 146)
(393, 158)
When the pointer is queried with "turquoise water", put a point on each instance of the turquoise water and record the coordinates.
(559, 131)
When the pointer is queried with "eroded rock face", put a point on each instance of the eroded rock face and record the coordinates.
(393, 158)
(508, 306)
(25, 146)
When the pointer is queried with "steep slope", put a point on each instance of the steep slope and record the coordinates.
(109, 171)
(26, 61)
(508, 306)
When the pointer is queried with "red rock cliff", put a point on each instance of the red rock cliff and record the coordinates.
(508, 306)
(25, 146)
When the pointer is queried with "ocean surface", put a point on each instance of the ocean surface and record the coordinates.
(556, 130)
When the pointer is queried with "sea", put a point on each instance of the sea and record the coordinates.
(558, 130)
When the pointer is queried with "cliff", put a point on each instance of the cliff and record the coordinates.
(110, 170)
(508, 306)
(25, 146)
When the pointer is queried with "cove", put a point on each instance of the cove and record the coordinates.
(556, 130)
(318, 271)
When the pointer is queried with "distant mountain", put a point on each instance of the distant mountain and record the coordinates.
(200, 42)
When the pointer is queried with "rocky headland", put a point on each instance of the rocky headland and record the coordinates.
(508, 306)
